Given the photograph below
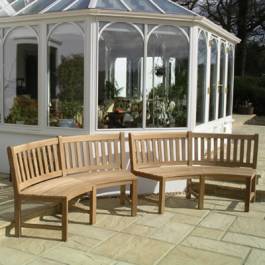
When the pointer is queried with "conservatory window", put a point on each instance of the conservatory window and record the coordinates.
(213, 81)
(21, 77)
(222, 84)
(201, 83)
(66, 76)
(230, 81)
(120, 76)
(167, 78)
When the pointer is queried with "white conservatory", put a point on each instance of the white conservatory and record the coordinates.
(80, 66)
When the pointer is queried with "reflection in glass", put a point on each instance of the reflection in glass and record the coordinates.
(120, 77)
(167, 78)
(222, 83)
(201, 83)
(21, 77)
(230, 81)
(66, 77)
(213, 81)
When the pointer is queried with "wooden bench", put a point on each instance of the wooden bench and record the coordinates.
(172, 156)
(60, 169)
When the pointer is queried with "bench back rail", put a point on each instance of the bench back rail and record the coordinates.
(34, 162)
(92, 153)
(224, 150)
(158, 149)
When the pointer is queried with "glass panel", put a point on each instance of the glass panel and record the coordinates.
(142, 6)
(120, 77)
(172, 8)
(111, 4)
(222, 83)
(37, 7)
(201, 85)
(213, 82)
(61, 5)
(81, 4)
(167, 78)
(21, 77)
(230, 80)
(66, 77)
(18, 5)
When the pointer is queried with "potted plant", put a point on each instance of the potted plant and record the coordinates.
(23, 111)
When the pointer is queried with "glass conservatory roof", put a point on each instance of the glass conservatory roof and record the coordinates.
(29, 7)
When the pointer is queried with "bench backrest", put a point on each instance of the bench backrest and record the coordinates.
(34, 162)
(224, 149)
(156, 149)
(92, 153)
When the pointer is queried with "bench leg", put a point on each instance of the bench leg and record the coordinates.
(18, 217)
(161, 202)
(93, 206)
(64, 219)
(188, 189)
(201, 193)
(122, 194)
(248, 193)
(254, 183)
(133, 191)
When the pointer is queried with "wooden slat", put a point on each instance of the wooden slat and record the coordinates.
(26, 166)
(35, 163)
(248, 151)
(103, 153)
(56, 157)
(215, 149)
(177, 150)
(30, 162)
(228, 156)
(73, 154)
(154, 150)
(143, 151)
(40, 161)
(160, 157)
(209, 149)
(171, 148)
(165, 142)
(110, 155)
(85, 153)
(67, 155)
(116, 152)
(222, 146)
(138, 152)
(79, 155)
(50, 158)
(91, 155)
(235, 150)
(202, 148)
(242, 150)
(21, 167)
(96, 145)
(183, 148)
(44, 154)
(149, 152)
(196, 149)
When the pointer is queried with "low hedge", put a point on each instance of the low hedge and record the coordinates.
(250, 91)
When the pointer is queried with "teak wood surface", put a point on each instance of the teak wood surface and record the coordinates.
(173, 156)
(63, 168)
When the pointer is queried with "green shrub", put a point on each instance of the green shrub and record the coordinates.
(250, 90)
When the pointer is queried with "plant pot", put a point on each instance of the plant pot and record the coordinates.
(67, 123)
(248, 110)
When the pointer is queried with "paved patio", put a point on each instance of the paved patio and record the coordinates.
(222, 234)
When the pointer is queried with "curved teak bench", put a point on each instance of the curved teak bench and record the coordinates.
(37, 176)
(64, 168)
(172, 156)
